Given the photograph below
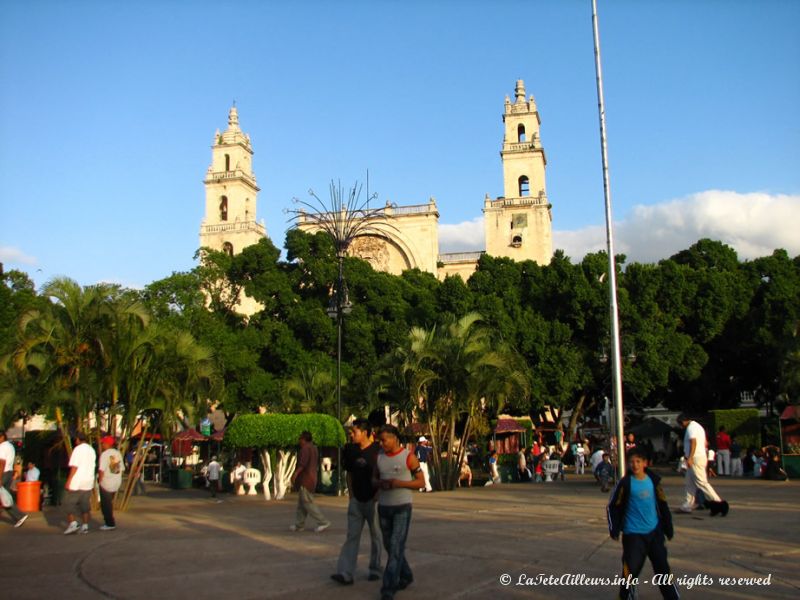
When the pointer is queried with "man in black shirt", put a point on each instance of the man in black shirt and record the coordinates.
(359, 459)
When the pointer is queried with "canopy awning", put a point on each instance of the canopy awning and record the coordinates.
(508, 426)
(650, 427)
(191, 435)
(791, 412)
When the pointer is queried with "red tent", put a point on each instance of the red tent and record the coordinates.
(182, 442)
(190, 434)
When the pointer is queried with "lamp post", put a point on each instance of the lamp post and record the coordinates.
(343, 219)
(339, 306)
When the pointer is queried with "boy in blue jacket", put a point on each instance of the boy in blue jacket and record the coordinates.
(639, 510)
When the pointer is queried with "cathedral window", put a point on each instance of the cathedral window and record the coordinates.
(524, 186)
(227, 248)
(516, 241)
(223, 208)
(227, 162)
(521, 133)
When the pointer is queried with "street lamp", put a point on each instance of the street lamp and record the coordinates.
(344, 218)
(338, 307)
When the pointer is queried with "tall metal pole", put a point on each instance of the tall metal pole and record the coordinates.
(339, 370)
(616, 370)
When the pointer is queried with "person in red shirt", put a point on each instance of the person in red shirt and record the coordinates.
(723, 452)
(304, 481)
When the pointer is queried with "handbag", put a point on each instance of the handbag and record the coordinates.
(5, 498)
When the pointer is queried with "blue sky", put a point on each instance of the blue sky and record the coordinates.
(107, 113)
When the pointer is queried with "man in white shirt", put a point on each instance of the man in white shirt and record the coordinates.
(212, 473)
(580, 458)
(7, 455)
(109, 476)
(32, 474)
(80, 483)
(238, 477)
(694, 448)
(596, 458)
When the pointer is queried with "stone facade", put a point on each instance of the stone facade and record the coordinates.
(517, 225)
(231, 192)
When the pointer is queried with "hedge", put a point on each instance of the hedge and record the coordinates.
(741, 422)
(282, 431)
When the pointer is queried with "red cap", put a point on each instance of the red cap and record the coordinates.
(107, 440)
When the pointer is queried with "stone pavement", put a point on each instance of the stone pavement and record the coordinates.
(182, 544)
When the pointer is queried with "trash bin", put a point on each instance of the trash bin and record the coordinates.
(29, 496)
(180, 479)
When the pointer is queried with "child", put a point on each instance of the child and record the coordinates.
(639, 510)
(604, 473)
(494, 474)
(539, 471)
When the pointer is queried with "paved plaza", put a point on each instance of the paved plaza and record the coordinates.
(183, 544)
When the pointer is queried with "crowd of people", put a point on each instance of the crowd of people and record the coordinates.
(382, 475)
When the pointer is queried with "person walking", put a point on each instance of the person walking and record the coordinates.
(736, 458)
(423, 453)
(723, 452)
(638, 509)
(80, 483)
(212, 473)
(398, 473)
(694, 448)
(304, 480)
(604, 473)
(522, 465)
(580, 458)
(109, 478)
(7, 456)
(360, 458)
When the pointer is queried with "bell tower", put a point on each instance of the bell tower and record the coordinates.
(230, 218)
(518, 224)
(230, 223)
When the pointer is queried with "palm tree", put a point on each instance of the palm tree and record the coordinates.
(125, 322)
(311, 388)
(62, 347)
(457, 372)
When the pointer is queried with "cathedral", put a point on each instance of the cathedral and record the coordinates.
(517, 224)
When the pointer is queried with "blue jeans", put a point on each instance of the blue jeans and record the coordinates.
(359, 513)
(395, 521)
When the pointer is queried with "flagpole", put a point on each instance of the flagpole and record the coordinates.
(616, 370)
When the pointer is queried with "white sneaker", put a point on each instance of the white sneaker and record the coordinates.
(107, 527)
(22, 519)
(321, 528)
(84, 528)
(295, 528)
(72, 528)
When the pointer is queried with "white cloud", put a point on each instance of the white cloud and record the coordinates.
(11, 255)
(753, 224)
(466, 236)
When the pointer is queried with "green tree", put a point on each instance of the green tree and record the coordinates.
(458, 371)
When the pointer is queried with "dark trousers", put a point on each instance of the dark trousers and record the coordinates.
(12, 510)
(107, 507)
(636, 547)
(395, 521)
